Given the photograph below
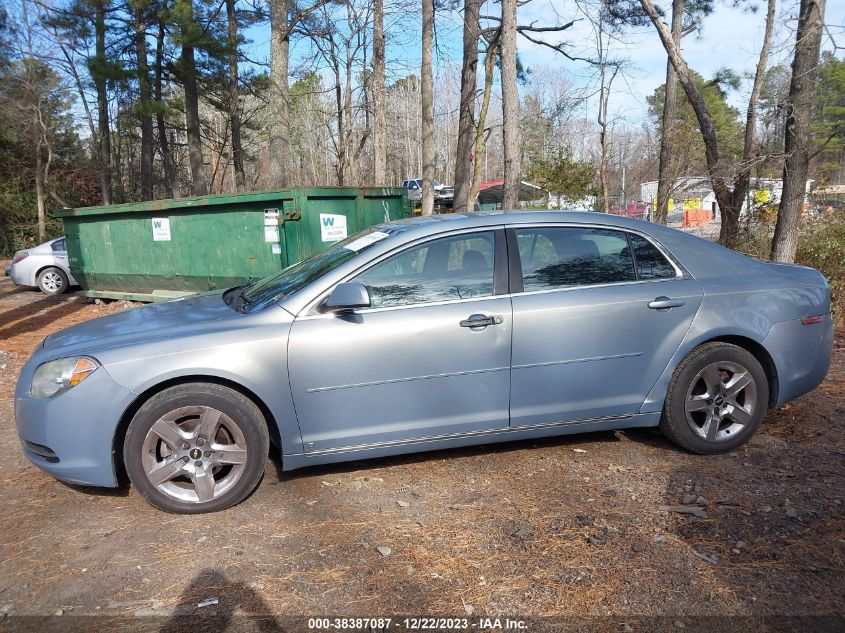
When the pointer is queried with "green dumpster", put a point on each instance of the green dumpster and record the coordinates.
(162, 249)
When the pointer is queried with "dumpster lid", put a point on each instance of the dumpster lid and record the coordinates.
(199, 202)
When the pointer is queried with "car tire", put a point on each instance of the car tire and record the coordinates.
(716, 400)
(195, 448)
(52, 281)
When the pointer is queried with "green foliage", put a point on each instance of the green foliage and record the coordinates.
(686, 134)
(822, 246)
(829, 112)
(32, 94)
(562, 176)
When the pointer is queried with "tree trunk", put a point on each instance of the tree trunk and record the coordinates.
(802, 92)
(379, 115)
(466, 117)
(664, 169)
(99, 78)
(234, 101)
(279, 94)
(427, 106)
(510, 107)
(39, 187)
(729, 198)
(192, 115)
(170, 178)
(144, 97)
(480, 143)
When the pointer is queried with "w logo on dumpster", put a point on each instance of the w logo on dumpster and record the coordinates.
(161, 229)
(332, 227)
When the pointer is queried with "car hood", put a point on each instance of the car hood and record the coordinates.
(148, 322)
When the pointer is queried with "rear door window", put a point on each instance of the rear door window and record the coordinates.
(554, 257)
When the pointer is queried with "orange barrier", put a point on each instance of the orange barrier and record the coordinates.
(697, 217)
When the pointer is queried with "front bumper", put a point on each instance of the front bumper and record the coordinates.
(71, 435)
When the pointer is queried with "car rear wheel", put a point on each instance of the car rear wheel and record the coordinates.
(52, 281)
(716, 400)
(196, 448)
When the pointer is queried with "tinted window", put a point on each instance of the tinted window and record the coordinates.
(651, 264)
(558, 257)
(59, 245)
(458, 267)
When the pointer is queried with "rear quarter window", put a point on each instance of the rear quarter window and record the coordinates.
(651, 263)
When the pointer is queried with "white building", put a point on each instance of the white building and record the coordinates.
(694, 192)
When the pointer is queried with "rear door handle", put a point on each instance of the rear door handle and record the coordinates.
(664, 303)
(481, 320)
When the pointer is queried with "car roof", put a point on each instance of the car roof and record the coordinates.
(436, 223)
(692, 252)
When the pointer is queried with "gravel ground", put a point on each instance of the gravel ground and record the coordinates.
(573, 526)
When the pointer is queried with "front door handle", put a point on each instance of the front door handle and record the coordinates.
(481, 320)
(664, 303)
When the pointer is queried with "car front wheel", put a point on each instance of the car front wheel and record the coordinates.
(716, 399)
(52, 281)
(196, 448)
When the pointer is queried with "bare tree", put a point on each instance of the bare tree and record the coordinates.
(730, 183)
(427, 106)
(664, 178)
(279, 93)
(281, 27)
(466, 119)
(188, 73)
(802, 92)
(480, 131)
(510, 107)
(379, 118)
(341, 41)
(100, 82)
(145, 116)
(234, 98)
(171, 178)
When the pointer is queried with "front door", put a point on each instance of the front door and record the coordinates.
(600, 314)
(430, 358)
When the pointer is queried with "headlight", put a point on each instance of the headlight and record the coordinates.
(59, 375)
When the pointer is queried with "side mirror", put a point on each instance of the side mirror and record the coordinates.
(348, 296)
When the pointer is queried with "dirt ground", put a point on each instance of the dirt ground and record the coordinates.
(565, 527)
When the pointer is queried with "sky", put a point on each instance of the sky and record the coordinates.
(729, 38)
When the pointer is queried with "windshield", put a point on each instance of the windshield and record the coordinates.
(294, 278)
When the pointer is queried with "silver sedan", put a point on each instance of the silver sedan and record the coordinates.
(44, 266)
(428, 334)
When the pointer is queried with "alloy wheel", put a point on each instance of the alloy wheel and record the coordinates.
(51, 281)
(721, 400)
(194, 454)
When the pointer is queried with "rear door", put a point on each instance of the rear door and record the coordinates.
(597, 316)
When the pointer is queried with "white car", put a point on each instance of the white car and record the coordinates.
(44, 266)
(443, 194)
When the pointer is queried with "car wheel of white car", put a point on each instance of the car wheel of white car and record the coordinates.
(718, 396)
(196, 448)
(52, 281)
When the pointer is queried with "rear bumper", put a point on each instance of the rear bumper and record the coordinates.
(71, 435)
(20, 277)
(801, 354)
